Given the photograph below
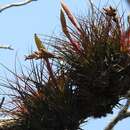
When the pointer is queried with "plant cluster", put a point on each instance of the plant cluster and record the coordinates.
(96, 57)
(86, 77)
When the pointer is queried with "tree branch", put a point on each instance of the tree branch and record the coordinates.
(123, 114)
(6, 47)
(6, 6)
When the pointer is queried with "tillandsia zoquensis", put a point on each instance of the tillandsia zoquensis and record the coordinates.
(43, 97)
(86, 77)
(96, 57)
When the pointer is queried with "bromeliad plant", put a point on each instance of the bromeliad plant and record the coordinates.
(87, 77)
(43, 98)
(96, 59)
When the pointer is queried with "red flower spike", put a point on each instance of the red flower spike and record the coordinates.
(70, 16)
(64, 25)
(66, 32)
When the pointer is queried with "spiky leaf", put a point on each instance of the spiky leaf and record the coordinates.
(63, 24)
(38, 42)
(70, 16)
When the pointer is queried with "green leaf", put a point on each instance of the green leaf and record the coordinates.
(38, 42)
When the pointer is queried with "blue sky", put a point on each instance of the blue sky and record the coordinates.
(18, 25)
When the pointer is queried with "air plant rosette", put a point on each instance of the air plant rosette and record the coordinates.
(96, 57)
(43, 98)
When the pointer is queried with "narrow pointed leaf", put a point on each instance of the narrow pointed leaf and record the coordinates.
(31, 56)
(2, 101)
(38, 42)
(61, 82)
(70, 15)
(64, 28)
(63, 24)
